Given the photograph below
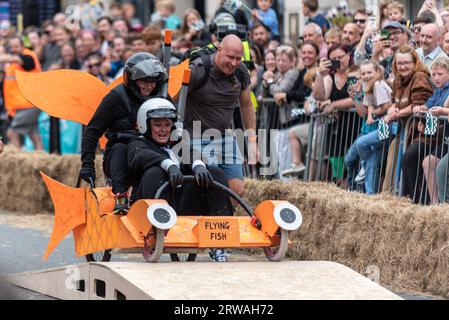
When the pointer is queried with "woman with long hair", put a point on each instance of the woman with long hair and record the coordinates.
(411, 87)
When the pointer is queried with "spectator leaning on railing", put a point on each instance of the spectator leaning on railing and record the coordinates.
(332, 89)
(375, 103)
(286, 59)
(412, 87)
(421, 158)
(298, 94)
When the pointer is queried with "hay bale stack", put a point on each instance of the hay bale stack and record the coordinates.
(406, 242)
(21, 186)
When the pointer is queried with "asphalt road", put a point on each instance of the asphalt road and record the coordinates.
(22, 248)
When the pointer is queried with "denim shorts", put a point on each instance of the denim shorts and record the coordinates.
(223, 153)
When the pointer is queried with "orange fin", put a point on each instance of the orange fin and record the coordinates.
(66, 94)
(69, 206)
(176, 77)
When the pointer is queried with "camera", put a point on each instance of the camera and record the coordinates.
(352, 81)
(335, 64)
(385, 35)
(238, 29)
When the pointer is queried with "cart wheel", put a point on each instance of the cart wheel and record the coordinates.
(278, 253)
(153, 253)
(99, 256)
(183, 256)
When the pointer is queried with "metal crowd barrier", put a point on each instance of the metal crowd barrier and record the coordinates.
(422, 153)
(408, 163)
(330, 137)
(275, 120)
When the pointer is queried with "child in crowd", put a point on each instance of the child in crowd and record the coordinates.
(267, 16)
(165, 14)
(371, 103)
(396, 12)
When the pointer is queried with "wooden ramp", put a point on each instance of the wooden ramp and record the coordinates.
(287, 280)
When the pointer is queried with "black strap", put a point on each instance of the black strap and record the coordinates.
(205, 58)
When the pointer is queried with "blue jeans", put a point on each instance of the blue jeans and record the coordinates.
(224, 153)
(368, 147)
(351, 158)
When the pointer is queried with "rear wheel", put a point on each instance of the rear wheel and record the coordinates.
(182, 256)
(278, 253)
(99, 256)
(152, 253)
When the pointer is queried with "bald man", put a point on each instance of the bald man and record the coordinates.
(215, 89)
(351, 35)
(429, 40)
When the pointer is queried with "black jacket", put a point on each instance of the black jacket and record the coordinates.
(299, 92)
(116, 113)
(144, 153)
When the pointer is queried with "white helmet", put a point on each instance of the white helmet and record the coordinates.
(152, 109)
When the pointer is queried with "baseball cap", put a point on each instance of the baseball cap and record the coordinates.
(397, 25)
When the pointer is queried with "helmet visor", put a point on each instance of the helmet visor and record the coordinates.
(161, 113)
(147, 69)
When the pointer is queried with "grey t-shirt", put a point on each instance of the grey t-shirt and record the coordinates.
(214, 103)
(381, 95)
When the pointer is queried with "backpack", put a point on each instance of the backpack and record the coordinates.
(204, 54)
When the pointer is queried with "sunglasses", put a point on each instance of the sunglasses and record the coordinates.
(95, 65)
(416, 29)
(359, 20)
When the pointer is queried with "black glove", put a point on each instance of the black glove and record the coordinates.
(202, 176)
(175, 175)
(87, 171)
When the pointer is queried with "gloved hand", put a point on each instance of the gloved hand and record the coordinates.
(202, 176)
(175, 175)
(87, 171)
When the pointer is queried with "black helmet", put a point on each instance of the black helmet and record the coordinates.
(224, 24)
(222, 19)
(143, 66)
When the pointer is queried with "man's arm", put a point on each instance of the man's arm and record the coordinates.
(247, 108)
(249, 120)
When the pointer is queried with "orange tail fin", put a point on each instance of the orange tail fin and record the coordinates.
(69, 210)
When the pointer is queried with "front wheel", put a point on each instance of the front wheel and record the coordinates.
(99, 256)
(278, 253)
(153, 253)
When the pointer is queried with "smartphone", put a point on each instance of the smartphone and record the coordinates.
(372, 21)
(385, 35)
(335, 64)
(352, 81)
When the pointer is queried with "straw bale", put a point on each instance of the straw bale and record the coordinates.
(407, 243)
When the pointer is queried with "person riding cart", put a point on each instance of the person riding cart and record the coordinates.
(151, 159)
(143, 77)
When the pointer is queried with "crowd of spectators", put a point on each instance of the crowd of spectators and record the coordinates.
(371, 85)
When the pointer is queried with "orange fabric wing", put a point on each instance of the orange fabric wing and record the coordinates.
(67, 94)
(176, 75)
